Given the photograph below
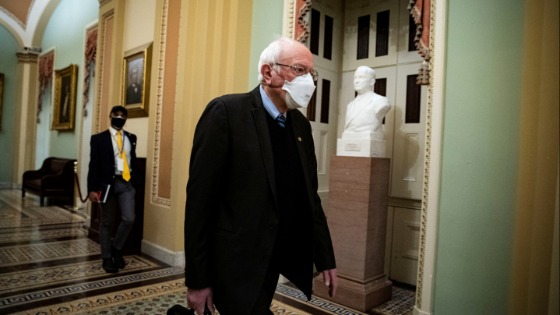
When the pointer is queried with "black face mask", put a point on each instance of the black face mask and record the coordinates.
(118, 123)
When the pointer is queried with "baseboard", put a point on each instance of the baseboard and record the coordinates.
(163, 254)
(420, 312)
(324, 195)
(9, 185)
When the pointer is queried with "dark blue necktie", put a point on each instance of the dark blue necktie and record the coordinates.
(281, 120)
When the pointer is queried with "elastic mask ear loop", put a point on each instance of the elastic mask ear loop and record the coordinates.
(278, 73)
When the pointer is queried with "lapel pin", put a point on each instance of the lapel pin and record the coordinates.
(299, 139)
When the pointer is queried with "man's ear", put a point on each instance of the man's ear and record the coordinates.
(266, 71)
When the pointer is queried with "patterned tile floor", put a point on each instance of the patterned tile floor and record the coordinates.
(49, 266)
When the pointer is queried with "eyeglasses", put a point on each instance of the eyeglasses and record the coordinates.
(299, 70)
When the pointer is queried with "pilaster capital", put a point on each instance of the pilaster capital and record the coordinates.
(29, 54)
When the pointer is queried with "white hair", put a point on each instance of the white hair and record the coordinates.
(271, 54)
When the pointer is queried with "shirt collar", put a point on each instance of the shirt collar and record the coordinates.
(113, 131)
(269, 105)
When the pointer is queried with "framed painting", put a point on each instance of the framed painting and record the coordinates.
(136, 80)
(65, 98)
(1, 97)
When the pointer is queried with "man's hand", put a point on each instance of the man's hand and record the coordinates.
(93, 196)
(199, 299)
(331, 281)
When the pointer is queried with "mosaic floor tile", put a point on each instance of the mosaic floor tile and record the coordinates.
(12, 255)
(316, 302)
(13, 214)
(80, 271)
(148, 299)
(33, 234)
(402, 302)
(62, 292)
(49, 266)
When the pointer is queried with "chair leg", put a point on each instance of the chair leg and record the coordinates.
(22, 193)
(42, 202)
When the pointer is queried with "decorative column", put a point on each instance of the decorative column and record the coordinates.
(25, 129)
(357, 218)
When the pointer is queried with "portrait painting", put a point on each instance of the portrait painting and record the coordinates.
(64, 109)
(136, 79)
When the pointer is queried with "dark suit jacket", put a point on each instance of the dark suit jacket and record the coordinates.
(231, 215)
(102, 166)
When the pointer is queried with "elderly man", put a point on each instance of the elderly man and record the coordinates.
(252, 210)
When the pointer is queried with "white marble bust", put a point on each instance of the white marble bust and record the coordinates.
(363, 130)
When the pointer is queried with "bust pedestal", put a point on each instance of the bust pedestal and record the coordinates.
(357, 218)
(364, 144)
(360, 147)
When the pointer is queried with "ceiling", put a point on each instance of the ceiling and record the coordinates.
(26, 19)
(17, 9)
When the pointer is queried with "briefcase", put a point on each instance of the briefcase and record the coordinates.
(181, 310)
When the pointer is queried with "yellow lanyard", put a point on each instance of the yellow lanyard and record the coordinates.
(122, 154)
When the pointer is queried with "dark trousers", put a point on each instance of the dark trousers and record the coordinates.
(124, 194)
(262, 305)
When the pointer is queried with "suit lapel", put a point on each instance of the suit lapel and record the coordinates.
(108, 142)
(131, 139)
(259, 117)
(299, 131)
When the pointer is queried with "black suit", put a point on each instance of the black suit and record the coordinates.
(102, 171)
(232, 219)
(102, 166)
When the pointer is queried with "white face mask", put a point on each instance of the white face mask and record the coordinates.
(299, 91)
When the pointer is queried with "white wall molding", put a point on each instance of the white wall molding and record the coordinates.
(163, 254)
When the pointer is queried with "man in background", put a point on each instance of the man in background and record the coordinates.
(110, 178)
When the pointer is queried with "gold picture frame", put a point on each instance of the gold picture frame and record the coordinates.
(136, 80)
(65, 98)
(1, 97)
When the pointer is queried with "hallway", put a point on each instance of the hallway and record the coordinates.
(49, 266)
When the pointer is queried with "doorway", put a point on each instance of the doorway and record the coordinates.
(343, 36)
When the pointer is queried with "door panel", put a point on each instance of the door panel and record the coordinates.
(327, 61)
(404, 258)
(371, 12)
(409, 137)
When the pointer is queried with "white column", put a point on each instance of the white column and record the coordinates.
(26, 114)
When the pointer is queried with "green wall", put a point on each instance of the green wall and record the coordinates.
(480, 138)
(8, 66)
(65, 32)
(267, 26)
